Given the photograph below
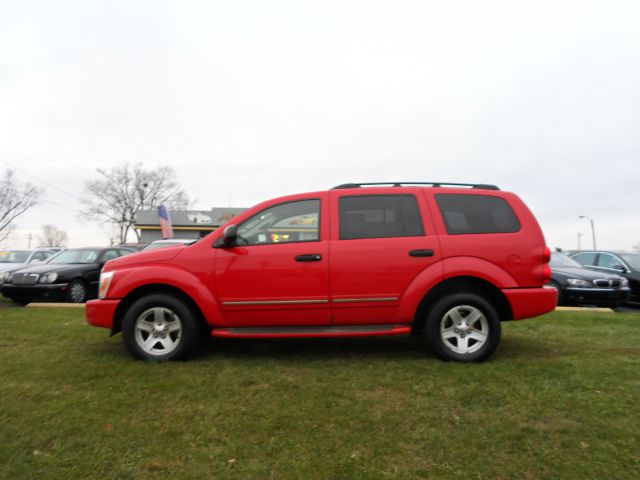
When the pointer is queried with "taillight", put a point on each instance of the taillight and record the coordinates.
(546, 255)
(546, 274)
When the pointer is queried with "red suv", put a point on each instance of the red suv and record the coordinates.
(445, 261)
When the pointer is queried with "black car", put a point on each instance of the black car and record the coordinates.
(71, 275)
(624, 264)
(577, 285)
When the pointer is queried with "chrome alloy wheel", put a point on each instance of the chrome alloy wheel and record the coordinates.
(464, 329)
(77, 292)
(158, 331)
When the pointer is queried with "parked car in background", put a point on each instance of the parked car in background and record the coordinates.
(170, 242)
(624, 264)
(446, 263)
(71, 275)
(16, 259)
(578, 285)
(13, 260)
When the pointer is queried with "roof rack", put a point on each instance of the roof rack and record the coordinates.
(481, 186)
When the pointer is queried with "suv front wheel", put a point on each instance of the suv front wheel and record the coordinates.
(160, 327)
(463, 327)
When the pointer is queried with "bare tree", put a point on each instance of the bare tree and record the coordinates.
(15, 199)
(637, 248)
(120, 192)
(52, 237)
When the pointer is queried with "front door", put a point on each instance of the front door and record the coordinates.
(277, 274)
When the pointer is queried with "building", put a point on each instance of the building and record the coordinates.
(186, 223)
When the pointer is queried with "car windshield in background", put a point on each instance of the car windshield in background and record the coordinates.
(14, 257)
(77, 256)
(561, 260)
(633, 259)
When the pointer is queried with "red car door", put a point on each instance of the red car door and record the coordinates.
(379, 243)
(277, 275)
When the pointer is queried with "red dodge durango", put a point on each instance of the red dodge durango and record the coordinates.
(448, 262)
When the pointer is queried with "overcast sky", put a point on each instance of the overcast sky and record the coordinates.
(248, 100)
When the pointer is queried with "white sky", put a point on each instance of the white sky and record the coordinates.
(249, 100)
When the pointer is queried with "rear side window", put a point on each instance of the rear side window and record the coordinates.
(588, 258)
(476, 214)
(379, 216)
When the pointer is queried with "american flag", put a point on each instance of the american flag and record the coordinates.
(165, 222)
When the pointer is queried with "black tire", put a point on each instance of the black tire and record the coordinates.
(556, 285)
(181, 344)
(22, 301)
(77, 291)
(441, 316)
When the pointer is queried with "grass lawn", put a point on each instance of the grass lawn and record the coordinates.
(559, 399)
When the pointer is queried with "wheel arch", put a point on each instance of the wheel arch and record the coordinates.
(149, 289)
(463, 284)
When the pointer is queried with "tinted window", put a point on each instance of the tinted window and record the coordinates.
(39, 256)
(285, 223)
(379, 216)
(110, 255)
(587, 258)
(609, 261)
(633, 259)
(14, 257)
(476, 214)
(76, 256)
(561, 260)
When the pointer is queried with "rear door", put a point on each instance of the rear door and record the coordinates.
(380, 242)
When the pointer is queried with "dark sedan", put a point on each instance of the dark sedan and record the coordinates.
(625, 264)
(71, 276)
(577, 285)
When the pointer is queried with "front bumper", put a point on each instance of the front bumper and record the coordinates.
(595, 296)
(100, 313)
(531, 302)
(39, 291)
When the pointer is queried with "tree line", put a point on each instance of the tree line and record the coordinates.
(112, 199)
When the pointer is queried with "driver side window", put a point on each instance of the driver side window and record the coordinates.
(290, 222)
(610, 262)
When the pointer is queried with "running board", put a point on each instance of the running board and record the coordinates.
(318, 332)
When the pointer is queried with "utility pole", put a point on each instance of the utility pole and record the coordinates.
(579, 237)
(29, 237)
(593, 230)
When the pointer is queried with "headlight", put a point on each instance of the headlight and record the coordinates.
(48, 277)
(105, 281)
(623, 282)
(3, 276)
(575, 282)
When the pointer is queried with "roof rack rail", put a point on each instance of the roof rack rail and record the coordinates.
(481, 186)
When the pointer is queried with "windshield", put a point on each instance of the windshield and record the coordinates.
(633, 259)
(77, 256)
(14, 257)
(561, 260)
(156, 245)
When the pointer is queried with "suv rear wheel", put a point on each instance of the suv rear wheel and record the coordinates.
(463, 327)
(160, 327)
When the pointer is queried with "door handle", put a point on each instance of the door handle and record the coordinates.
(421, 253)
(309, 257)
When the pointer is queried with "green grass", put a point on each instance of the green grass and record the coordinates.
(559, 399)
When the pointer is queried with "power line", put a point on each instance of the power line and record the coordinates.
(40, 180)
(59, 205)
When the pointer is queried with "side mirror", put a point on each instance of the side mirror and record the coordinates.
(230, 236)
(35, 260)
